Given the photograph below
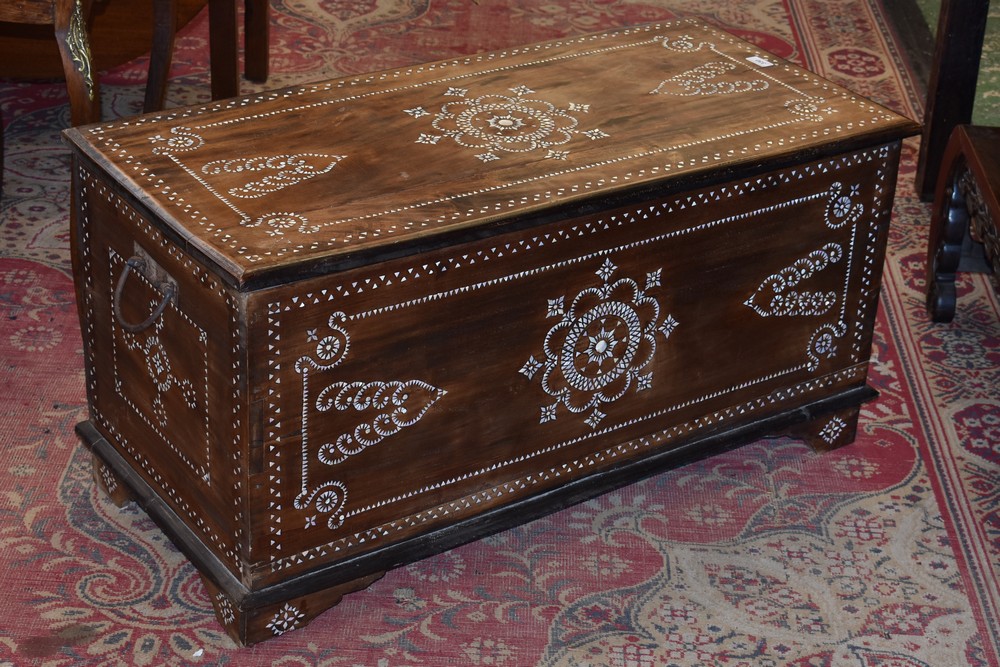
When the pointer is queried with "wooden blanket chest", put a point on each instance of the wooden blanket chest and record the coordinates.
(336, 328)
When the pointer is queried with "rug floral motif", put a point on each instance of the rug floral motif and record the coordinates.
(885, 552)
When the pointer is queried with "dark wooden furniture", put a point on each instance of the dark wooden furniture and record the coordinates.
(951, 90)
(223, 47)
(223, 44)
(965, 208)
(120, 31)
(336, 328)
(68, 19)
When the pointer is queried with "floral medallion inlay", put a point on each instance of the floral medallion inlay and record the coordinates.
(497, 124)
(601, 346)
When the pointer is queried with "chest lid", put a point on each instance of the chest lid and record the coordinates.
(297, 181)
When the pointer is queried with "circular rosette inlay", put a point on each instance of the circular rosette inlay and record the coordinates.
(505, 123)
(502, 123)
(601, 347)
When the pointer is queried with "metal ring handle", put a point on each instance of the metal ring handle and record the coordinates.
(168, 293)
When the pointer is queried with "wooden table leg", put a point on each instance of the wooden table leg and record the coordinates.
(223, 50)
(256, 38)
(164, 31)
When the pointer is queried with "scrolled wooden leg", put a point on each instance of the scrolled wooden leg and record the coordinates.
(251, 625)
(949, 227)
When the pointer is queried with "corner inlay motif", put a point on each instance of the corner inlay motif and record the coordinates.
(832, 430)
(277, 172)
(712, 78)
(381, 409)
(286, 619)
(776, 296)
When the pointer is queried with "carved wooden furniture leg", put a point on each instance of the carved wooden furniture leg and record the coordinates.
(965, 204)
(253, 624)
(164, 32)
(68, 17)
(74, 48)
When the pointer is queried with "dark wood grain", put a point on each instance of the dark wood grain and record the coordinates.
(121, 30)
(951, 90)
(470, 343)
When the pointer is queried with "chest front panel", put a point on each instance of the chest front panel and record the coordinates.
(411, 393)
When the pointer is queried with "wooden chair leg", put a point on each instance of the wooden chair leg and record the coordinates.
(256, 39)
(164, 32)
(946, 234)
(223, 48)
(74, 48)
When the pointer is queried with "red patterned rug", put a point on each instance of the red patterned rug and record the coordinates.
(885, 552)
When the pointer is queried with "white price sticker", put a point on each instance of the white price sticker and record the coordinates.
(760, 62)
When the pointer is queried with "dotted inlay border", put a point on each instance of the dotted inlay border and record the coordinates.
(230, 546)
(224, 239)
(880, 156)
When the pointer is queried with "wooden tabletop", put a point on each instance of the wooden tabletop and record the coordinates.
(310, 178)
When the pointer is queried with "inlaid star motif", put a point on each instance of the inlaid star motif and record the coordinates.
(596, 134)
(668, 326)
(606, 270)
(594, 419)
(531, 366)
(601, 346)
(506, 122)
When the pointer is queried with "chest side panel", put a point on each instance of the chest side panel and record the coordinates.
(422, 390)
(165, 386)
